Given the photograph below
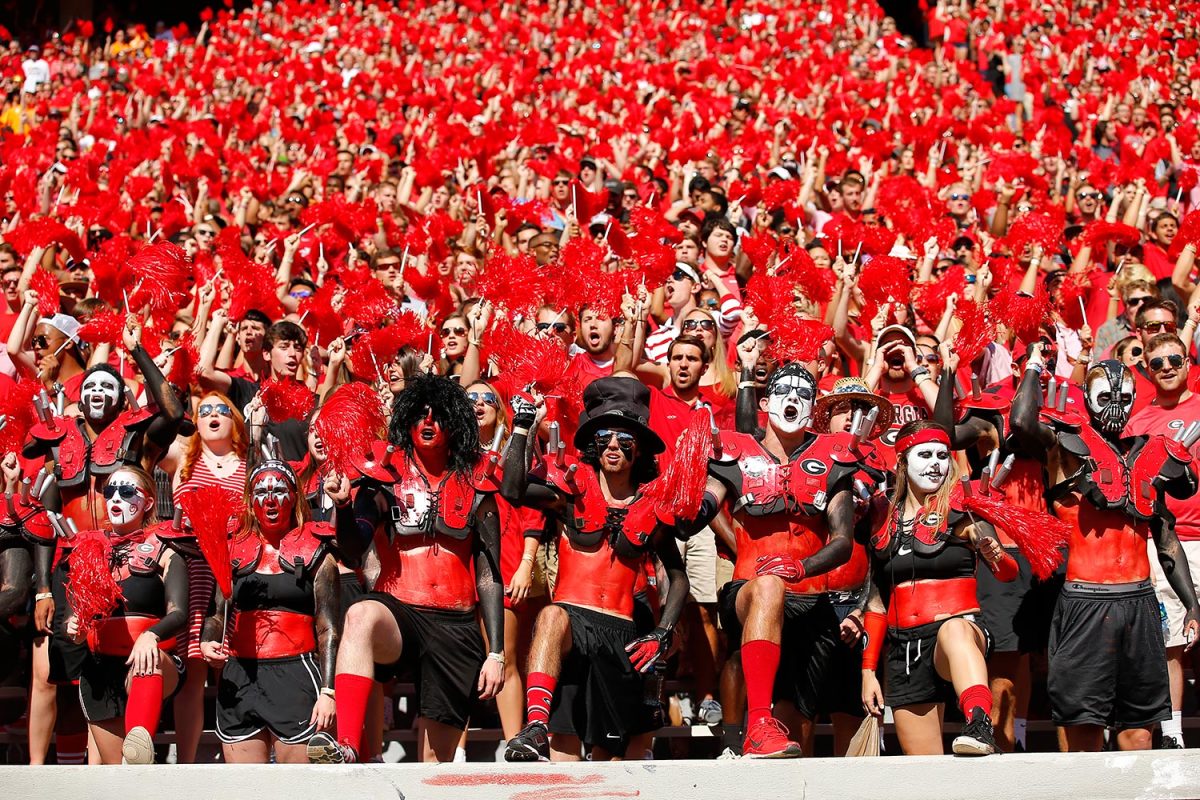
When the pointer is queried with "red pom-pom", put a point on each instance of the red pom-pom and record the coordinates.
(884, 278)
(349, 421)
(91, 588)
(1032, 228)
(372, 352)
(1040, 536)
(1101, 232)
(321, 322)
(44, 232)
(929, 299)
(160, 272)
(367, 301)
(516, 282)
(104, 327)
(811, 281)
(16, 409)
(976, 333)
(1021, 313)
(254, 289)
(46, 286)
(209, 511)
(679, 490)
(287, 398)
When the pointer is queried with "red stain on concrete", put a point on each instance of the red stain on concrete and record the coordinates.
(514, 779)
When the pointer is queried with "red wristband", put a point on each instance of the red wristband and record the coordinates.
(1005, 568)
(875, 625)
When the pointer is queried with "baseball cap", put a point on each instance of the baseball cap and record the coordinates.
(65, 324)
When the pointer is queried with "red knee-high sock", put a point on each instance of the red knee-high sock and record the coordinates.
(977, 696)
(539, 692)
(353, 693)
(145, 702)
(760, 662)
(70, 748)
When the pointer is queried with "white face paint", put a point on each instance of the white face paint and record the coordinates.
(99, 395)
(928, 466)
(790, 403)
(124, 502)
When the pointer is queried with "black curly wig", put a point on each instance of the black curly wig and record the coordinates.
(452, 410)
(645, 466)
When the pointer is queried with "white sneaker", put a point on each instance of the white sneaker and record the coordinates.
(728, 755)
(138, 747)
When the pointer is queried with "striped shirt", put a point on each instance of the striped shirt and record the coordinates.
(201, 583)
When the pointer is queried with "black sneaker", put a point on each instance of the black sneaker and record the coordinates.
(1170, 743)
(976, 738)
(324, 749)
(531, 744)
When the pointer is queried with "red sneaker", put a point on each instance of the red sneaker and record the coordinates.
(769, 739)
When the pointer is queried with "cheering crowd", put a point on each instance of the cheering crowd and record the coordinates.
(535, 355)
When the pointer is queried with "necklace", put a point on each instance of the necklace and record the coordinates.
(227, 462)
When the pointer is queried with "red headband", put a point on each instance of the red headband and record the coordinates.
(924, 436)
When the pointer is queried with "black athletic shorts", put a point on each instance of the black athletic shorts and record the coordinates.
(102, 685)
(442, 651)
(276, 694)
(807, 651)
(842, 692)
(1018, 613)
(600, 694)
(352, 591)
(1108, 663)
(910, 675)
(66, 657)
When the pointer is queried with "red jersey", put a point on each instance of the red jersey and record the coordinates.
(588, 369)
(1168, 422)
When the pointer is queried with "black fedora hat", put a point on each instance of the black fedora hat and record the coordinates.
(617, 403)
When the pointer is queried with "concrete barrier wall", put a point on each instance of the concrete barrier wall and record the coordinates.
(1101, 776)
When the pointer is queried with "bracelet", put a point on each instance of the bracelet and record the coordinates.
(526, 559)
(498, 658)
(746, 384)
(327, 692)
(918, 373)
(520, 431)
(474, 342)
(924, 376)
(1035, 367)
(40, 596)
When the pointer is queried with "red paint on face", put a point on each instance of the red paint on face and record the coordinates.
(428, 434)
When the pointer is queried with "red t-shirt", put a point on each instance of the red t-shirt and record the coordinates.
(668, 417)
(587, 369)
(1168, 422)
(910, 406)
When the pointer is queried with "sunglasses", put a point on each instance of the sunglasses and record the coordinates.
(1158, 362)
(562, 183)
(931, 358)
(454, 331)
(11, 284)
(559, 327)
(487, 398)
(699, 324)
(783, 389)
(207, 409)
(625, 439)
(960, 196)
(1089, 195)
(300, 294)
(126, 491)
(40, 342)
(632, 197)
(1159, 326)
(680, 275)
(1133, 302)
(295, 198)
(206, 233)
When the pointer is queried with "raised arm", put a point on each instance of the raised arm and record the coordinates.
(1036, 438)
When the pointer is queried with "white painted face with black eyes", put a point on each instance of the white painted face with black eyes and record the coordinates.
(124, 501)
(790, 403)
(99, 395)
(928, 466)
